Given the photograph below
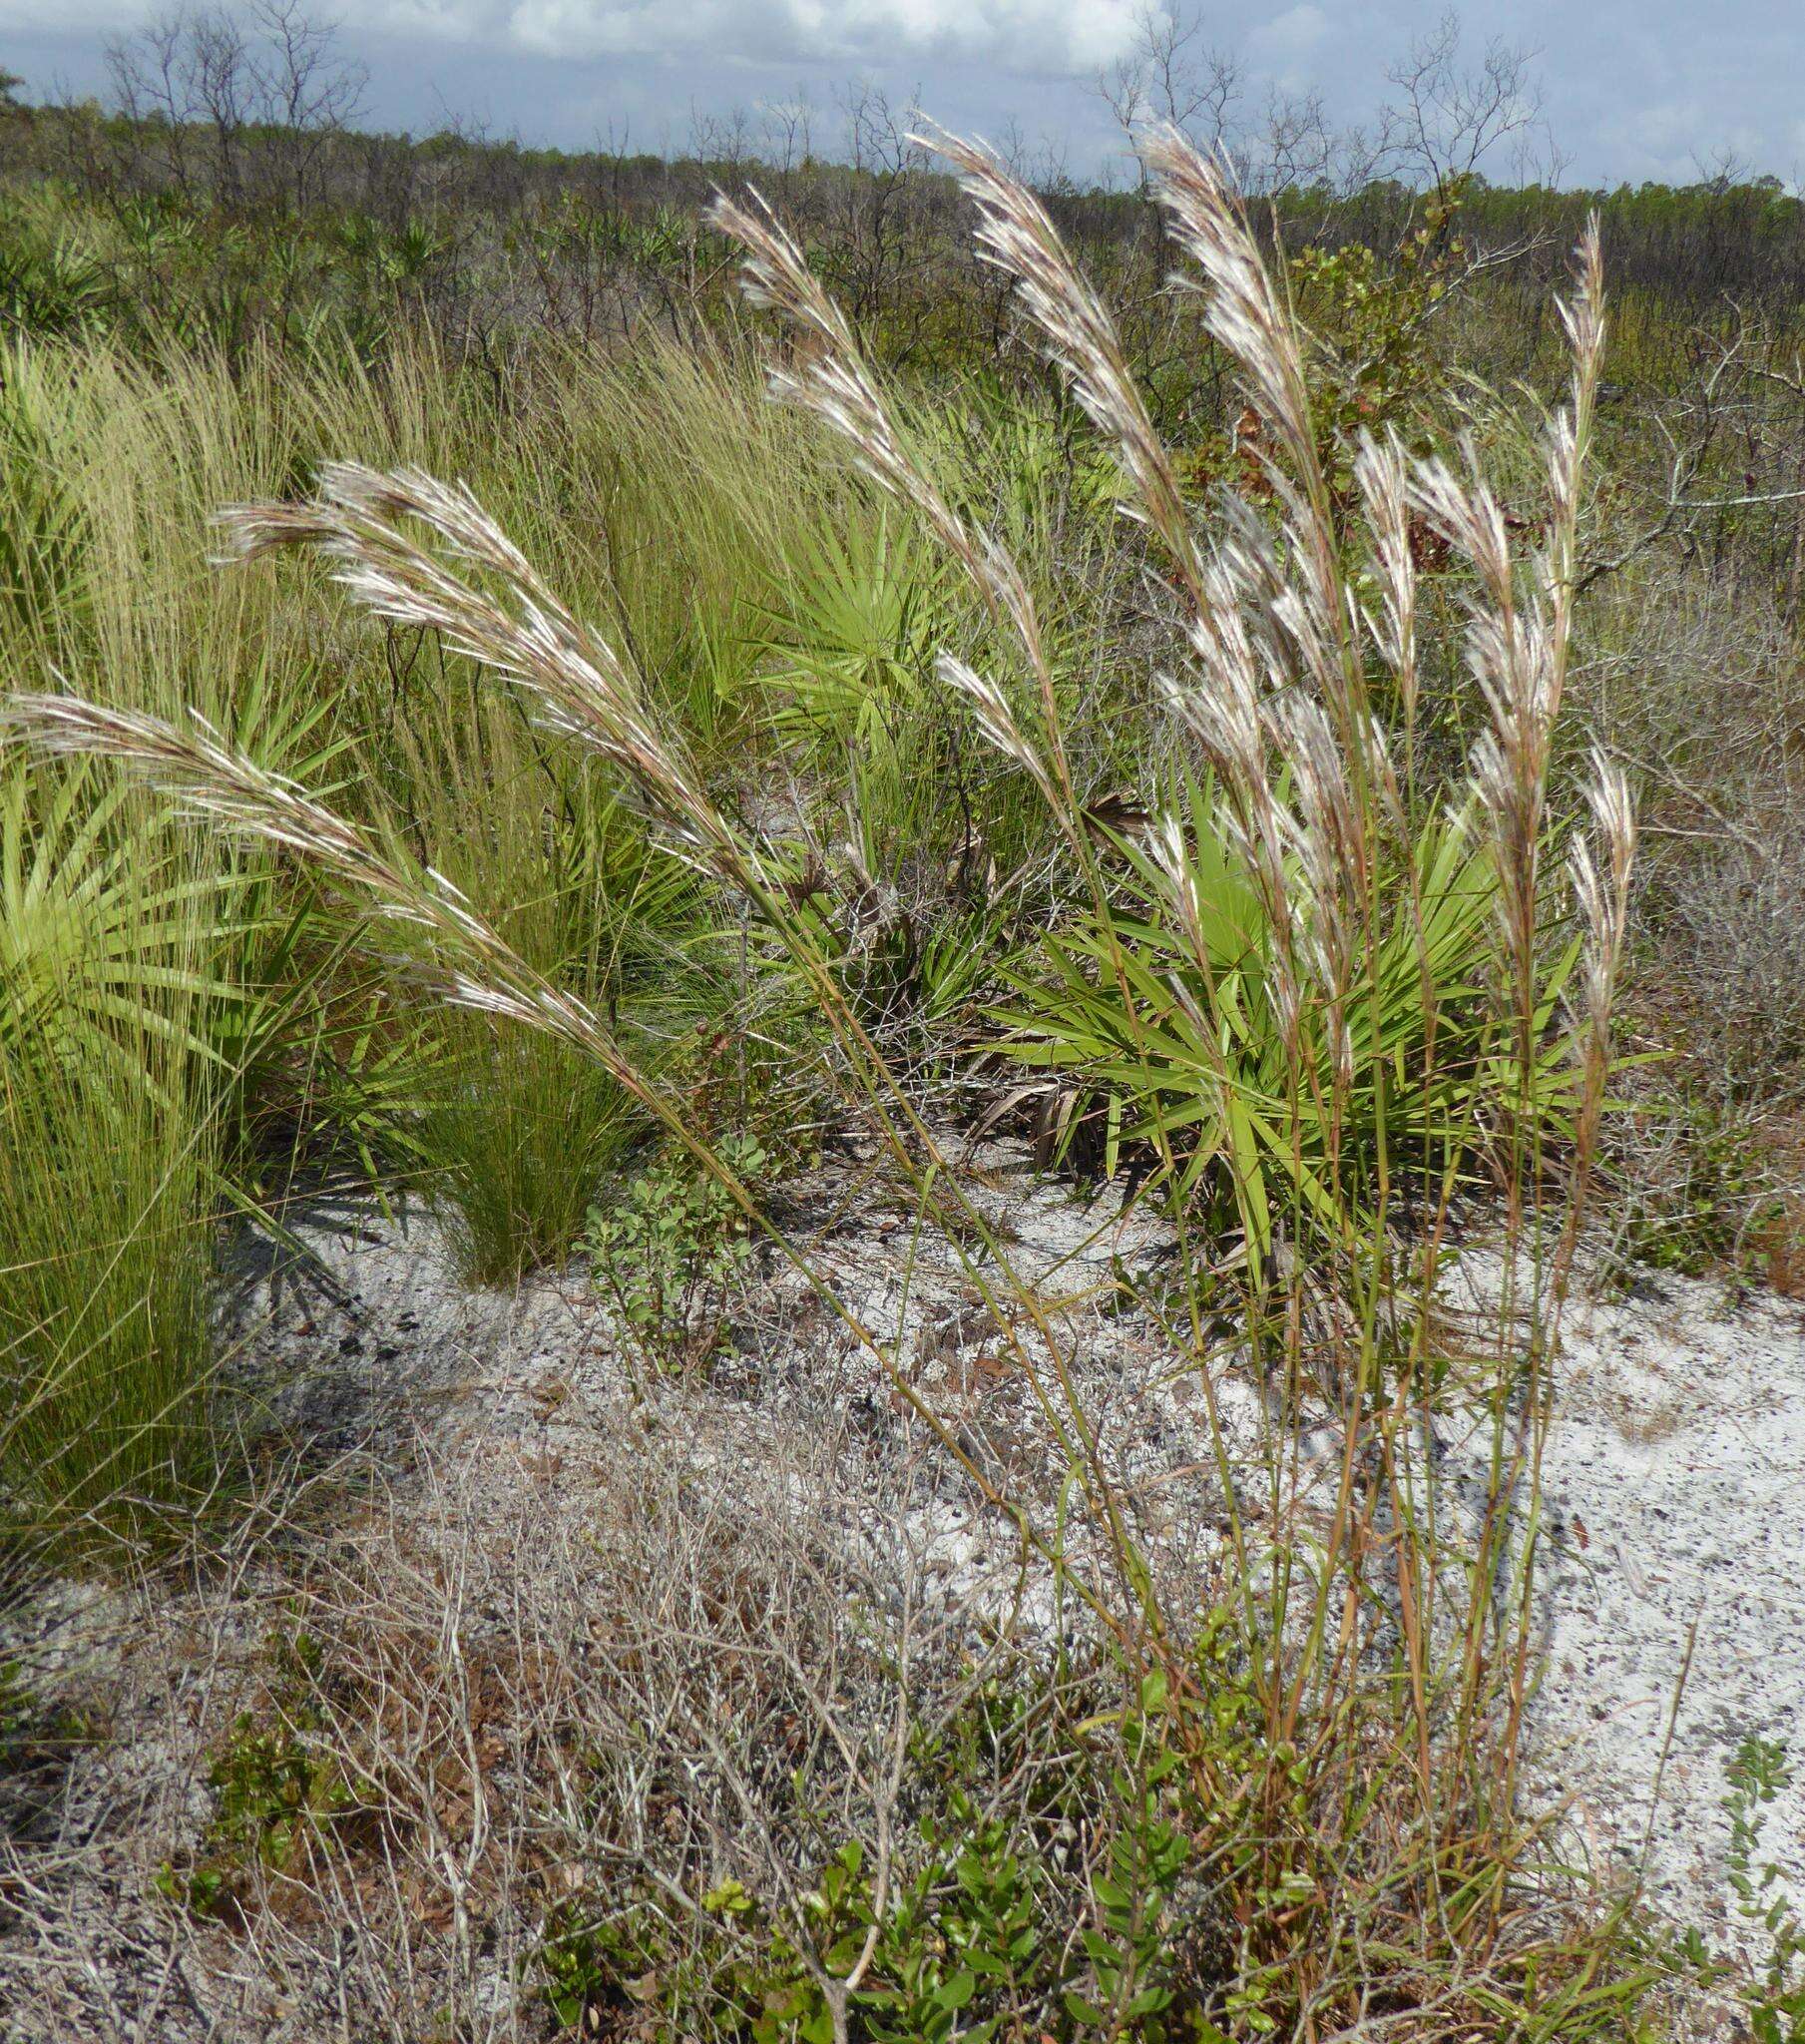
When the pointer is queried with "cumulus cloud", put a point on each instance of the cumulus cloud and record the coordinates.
(1066, 36)
(1291, 35)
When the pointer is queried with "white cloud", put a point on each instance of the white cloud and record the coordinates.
(1288, 48)
(452, 21)
(1066, 36)
(1634, 92)
(72, 17)
(1291, 35)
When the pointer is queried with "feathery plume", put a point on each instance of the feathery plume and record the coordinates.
(1244, 310)
(835, 384)
(1016, 235)
(995, 719)
(1570, 432)
(1603, 897)
(205, 780)
(1381, 478)
(568, 670)
(1467, 515)
(832, 382)
(1247, 312)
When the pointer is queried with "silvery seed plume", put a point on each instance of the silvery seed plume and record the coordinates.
(1563, 461)
(205, 780)
(1016, 235)
(1383, 776)
(1309, 636)
(1248, 314)
(1605, 897)
(1582, 315)
(569, 670)
(1516, 651)
(835, 384)
(1170, 856)
(1332, 835)
(1329, 840)
(995, 719)
(1381, 476)
(1246, 578)
(1467, 515)
(1512, 657)
(1219, 701)
(1614, 814)
(1244, 310)
(1569, 436)
(1605, 906)
(1242, 648)
(1508, 765)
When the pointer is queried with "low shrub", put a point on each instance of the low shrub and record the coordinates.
(670, 1246)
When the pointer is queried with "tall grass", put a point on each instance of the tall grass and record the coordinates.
(516, 1134)
(111, 1018)
(1348, 1722)
(1286, 615)
(106, 1213)
(672, 500)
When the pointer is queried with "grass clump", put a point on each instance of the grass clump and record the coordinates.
(107, 1203)
(514, 1134)
(517, 1139)
(116, 1025)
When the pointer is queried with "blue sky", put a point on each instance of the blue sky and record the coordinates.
(1631, 89)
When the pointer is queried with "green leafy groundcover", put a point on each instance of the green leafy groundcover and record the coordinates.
(983, 1928)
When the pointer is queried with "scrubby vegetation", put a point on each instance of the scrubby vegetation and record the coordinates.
(624, 790)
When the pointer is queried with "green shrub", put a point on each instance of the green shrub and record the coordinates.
(279, 1783)
(988, 1923)
(1757, 1771)
(671, 1248)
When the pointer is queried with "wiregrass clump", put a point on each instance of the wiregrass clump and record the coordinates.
(106, 1208)
(109, 1200)
(1358, 1845)
(120, 1020)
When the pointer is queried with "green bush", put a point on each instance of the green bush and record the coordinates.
(669, 1248)
(1757, 1773)
(987, 1924)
